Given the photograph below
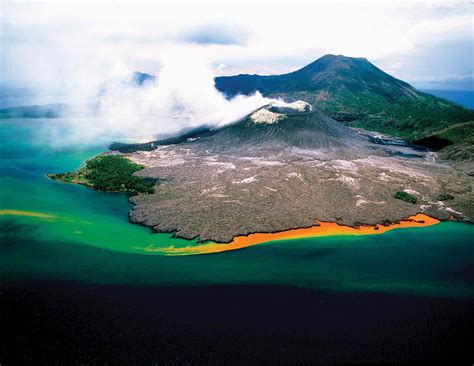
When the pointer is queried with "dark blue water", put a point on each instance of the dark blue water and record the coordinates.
(462, 97)
(406, 295)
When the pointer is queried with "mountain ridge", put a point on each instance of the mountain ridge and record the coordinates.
(355, 91)
(350, 90)
(323, 72)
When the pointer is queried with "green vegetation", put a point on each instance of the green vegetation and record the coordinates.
(444, 197)
(109, 173)
(410, 118)
(456, 141)
(354, 91)
(404, 112)
(404, 196)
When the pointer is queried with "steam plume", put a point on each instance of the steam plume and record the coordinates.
(183, 97)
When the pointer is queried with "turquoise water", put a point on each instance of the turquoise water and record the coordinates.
(58, 231)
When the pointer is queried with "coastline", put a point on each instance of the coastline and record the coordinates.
(108, 172)
(323, 228)
(318, 229)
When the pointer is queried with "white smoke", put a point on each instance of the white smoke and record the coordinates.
(183, 97)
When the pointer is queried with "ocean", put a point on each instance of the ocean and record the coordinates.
(77, 285)
(461, 97)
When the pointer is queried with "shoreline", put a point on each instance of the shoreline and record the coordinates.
(226, 236)
(107, 172)
(319, 229)
(322, 229)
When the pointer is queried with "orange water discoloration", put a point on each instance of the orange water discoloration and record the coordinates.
(322, 229)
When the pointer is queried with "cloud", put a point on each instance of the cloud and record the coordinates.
(183, 97)
(248, 36)
(452, 83)
(70, 49)
(217, 33)
(442, 59)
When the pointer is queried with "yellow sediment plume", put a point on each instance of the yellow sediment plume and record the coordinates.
(43, 216)
(323, 229)
(39, 215)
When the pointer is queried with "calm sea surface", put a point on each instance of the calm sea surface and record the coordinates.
(77, 284)
(462, 97)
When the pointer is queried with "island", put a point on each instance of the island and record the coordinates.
(282, 167)
(349, 145)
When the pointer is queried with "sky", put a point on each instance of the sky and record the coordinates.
(67, 45)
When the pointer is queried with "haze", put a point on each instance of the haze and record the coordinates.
(64, 42)
(69, 50)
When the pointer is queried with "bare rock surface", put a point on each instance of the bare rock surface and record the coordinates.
(266, 177)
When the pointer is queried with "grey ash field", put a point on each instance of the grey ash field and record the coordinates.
(286, 167)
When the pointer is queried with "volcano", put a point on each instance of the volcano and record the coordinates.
(278, 128)
(285, 166)
(355, 91)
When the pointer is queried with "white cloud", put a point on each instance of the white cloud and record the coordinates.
(183, 97)
(73, 47)
(48, 41)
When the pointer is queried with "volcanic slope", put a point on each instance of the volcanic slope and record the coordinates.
(286, 167)
(354, 90)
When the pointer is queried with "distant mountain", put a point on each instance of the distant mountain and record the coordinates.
(355, 91)
(328, 74)
(57, 110)
(350, 90)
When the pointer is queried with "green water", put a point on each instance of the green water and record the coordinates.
(89, 239)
